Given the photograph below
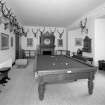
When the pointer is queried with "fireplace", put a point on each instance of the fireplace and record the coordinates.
(47, 53)
(47, 46)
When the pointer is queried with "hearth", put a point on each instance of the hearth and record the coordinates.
(47, 52)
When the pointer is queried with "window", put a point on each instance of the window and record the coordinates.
(29, 42)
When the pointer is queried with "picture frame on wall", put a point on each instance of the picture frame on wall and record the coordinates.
(29, 42)
(11, 41)
(60, 42)
(78, 41)
(4, 41)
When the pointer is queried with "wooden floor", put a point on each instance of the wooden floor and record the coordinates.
(22, 90)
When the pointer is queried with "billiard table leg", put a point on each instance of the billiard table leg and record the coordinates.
(90, 86)
(91, 83)
(41, 90)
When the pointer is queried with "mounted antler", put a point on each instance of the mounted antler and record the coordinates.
(1, 5)
(18, 31)
(25, 33)
(41, 32)
(83, 24)
(52, 32)
(35, 33)
(6, 14)
(14, 21)
(8, 19)
(5, 11)
(2, 18)
(60, 34)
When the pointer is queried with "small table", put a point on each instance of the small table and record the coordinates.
(60, 69)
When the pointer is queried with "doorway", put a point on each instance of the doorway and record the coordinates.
(17, 46)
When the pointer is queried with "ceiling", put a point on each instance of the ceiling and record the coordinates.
(57, 13)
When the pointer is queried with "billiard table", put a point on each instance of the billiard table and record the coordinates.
(61, 69)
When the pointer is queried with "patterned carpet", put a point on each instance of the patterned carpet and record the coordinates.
(22, 90)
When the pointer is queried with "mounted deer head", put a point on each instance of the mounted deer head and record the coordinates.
(11, 23)
(41, 32)
(3, 19)
(12, 19)
(60, 34)
(52, 32)
(15, 22)
(35, 33)
(2, 5)
(9, 20)
(83, 24)
(25, 33)
(18, 31)
(6, 14)
(5, 11)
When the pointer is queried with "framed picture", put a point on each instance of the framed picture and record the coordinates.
(4, 41)
(78, 41)
(29, 42)
(60, 42)
(11, 41)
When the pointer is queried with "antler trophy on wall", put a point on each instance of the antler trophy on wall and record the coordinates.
(25, 33)
(12, 22)
(1, 14)
(52, 32)
(60, 40)
(83, 25)
(35, 33)
(60, 33)
(7, 17)
(5, 13)
(42, 32)
(17, 26)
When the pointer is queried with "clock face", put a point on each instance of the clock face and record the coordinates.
(47, 41)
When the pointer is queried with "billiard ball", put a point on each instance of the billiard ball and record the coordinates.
(69, 71)
(66, 63)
